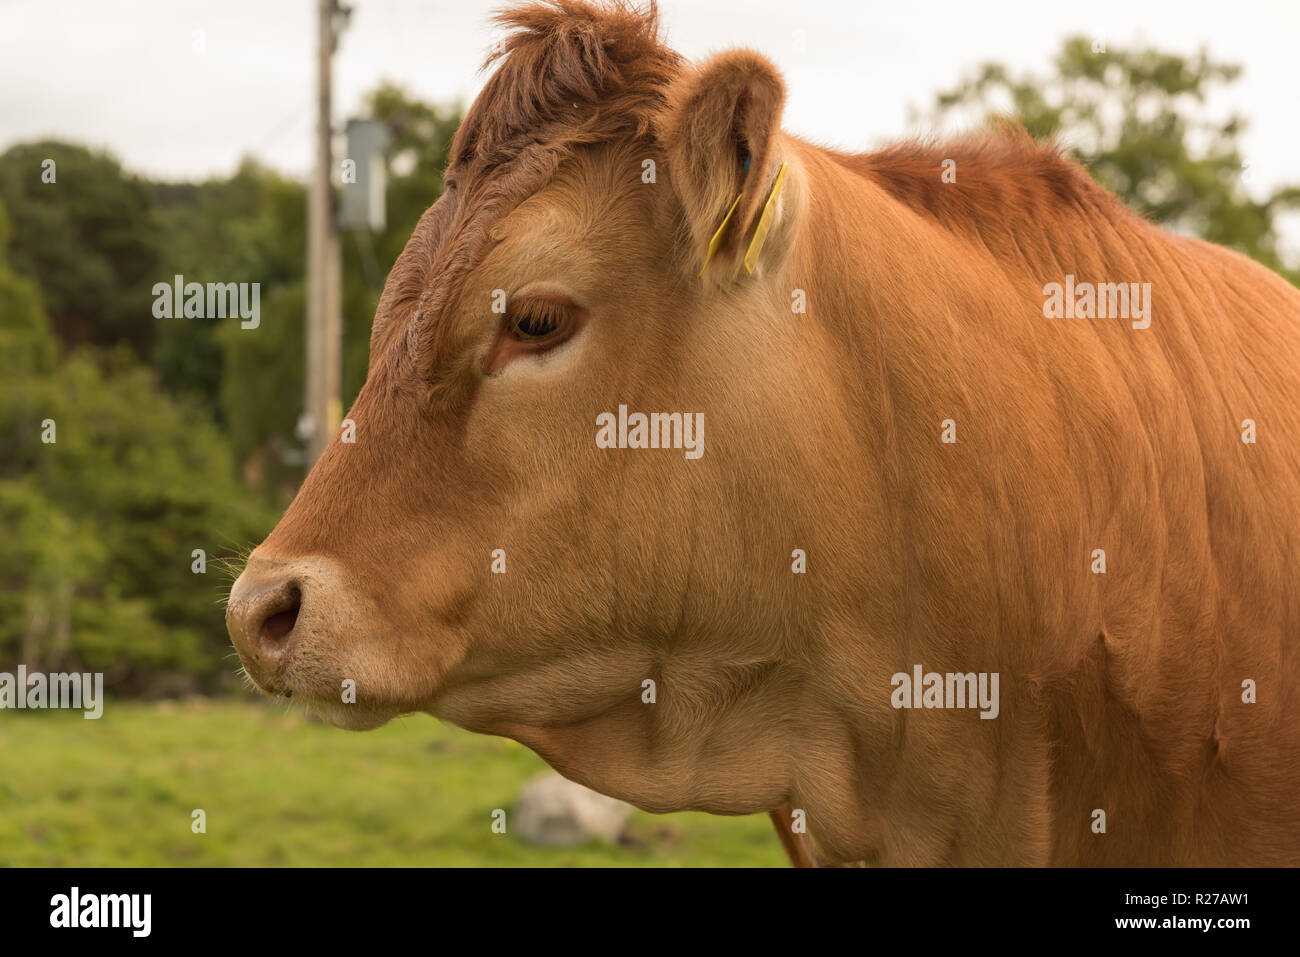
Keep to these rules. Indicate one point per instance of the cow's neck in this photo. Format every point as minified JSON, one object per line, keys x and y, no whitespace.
{"x":901,"y":786}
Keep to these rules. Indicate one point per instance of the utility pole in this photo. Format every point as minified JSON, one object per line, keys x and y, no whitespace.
{"x":322,"y":405}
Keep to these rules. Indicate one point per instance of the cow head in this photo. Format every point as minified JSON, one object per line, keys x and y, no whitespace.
{"x":478,"y":551}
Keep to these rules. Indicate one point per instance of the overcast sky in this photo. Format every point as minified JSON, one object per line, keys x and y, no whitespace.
{"x":184,"y":88}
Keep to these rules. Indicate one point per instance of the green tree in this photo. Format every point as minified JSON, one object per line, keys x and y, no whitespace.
{"x":248,"y":228}
{"x":89,"y":238}
{"x":1136,"y":118}
{"x":107,"y":486}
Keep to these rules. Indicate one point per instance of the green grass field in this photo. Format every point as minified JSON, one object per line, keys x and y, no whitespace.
{"x":280,"y":790}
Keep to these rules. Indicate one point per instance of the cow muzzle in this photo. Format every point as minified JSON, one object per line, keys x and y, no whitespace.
{"x":296,"y":624}
{"x":307,"y":629}
{"x":262,"y":617}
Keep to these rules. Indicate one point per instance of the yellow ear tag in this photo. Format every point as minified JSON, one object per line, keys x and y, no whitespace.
{"x":716,"y":241}
{"x":764,"y":222}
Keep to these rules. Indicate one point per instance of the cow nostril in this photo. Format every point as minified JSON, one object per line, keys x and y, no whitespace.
{"x":277,"y":625}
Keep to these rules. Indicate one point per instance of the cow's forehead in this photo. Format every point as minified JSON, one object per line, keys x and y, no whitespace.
{"x":553,"y":196}
{"x":460,"y":232}
{"x":566,"y":77}
{"x":566,"y":74}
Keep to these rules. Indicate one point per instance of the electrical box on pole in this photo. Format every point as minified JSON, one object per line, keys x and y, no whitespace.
{"x":365,"y":176}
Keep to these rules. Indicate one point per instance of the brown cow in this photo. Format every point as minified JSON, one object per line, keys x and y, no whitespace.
{"x":952,"y":467}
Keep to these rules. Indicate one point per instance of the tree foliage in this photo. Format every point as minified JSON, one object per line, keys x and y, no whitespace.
{"x":89,"y":239}
{"x":107,"y":485}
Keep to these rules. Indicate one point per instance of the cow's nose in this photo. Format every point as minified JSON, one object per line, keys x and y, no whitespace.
{"x":261,"y":616}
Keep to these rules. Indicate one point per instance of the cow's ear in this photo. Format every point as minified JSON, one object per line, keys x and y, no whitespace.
{"x":721,"y":133}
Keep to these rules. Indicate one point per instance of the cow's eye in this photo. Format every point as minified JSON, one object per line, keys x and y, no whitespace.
{"x":533,"y":324}
{"x":540,"y":322}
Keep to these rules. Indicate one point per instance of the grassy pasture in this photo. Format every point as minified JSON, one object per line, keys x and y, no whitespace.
{"x":281,"y":790}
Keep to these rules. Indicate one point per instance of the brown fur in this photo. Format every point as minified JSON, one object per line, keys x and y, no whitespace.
{"x":1120,"y":692}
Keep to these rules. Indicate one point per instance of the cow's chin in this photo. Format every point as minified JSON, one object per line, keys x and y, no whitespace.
{"x":350,"y":717}
{"x":313,"y":690}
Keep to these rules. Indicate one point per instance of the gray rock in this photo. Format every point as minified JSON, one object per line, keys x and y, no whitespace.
{"x":555,"y":812}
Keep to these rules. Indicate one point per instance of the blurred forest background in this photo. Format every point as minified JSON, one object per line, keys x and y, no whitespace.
{"x":172,"y":434}
{"x":179,"y":434}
